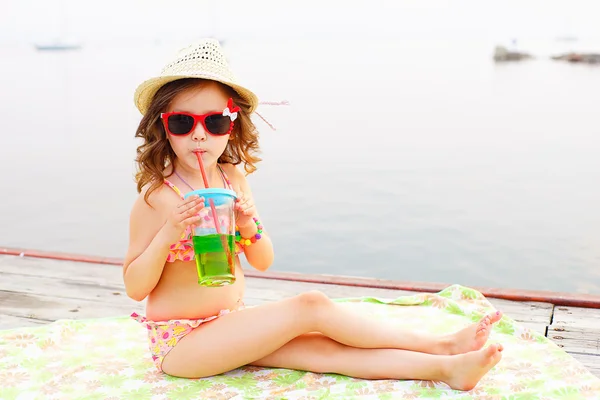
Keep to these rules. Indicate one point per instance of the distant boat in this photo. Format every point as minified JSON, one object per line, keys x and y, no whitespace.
{"x":62,"y":39}
{"x":57,"y":46}
{"x":566,"y":39}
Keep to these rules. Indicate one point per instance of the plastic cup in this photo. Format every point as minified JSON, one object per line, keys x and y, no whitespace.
{"x":214,"y":237}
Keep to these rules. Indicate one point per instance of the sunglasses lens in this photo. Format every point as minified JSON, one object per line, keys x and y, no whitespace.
{"x":180,"y":124}
{"x":218,"y":124}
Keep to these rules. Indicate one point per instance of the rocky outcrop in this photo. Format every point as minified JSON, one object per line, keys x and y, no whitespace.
{"x":586,"y":58}
{"x":502,"y":54}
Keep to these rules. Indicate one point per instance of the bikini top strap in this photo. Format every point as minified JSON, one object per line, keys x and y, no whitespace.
{"x":169,"y":184}
{"x":226,"y":181}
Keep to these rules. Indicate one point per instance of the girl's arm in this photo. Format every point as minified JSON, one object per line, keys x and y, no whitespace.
{"x":260,"y":254}
{"x":147,"y":252}
{"x":150,"y":237}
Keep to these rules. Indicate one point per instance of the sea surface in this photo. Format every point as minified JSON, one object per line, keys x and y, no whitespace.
{"x":406,"y":158}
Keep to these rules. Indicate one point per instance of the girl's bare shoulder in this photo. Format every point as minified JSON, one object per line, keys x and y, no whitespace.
{"x":155,"y":200}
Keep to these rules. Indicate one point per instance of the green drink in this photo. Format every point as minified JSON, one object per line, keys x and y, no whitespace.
{"x":213,"y":259}
{"x":213,"y":237}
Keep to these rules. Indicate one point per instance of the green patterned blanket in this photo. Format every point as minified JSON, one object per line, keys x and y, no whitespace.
{"x":109,"y":359}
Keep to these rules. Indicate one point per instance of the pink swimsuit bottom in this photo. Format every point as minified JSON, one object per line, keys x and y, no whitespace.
{"x":163,"y":336}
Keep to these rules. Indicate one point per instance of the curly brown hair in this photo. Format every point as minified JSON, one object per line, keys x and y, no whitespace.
{"x":155,"y":153}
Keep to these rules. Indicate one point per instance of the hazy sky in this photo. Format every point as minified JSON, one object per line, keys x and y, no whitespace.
{"x":24,"y":21}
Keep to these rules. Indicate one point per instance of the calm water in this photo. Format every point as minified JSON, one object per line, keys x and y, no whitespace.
{"x":411,"y":160}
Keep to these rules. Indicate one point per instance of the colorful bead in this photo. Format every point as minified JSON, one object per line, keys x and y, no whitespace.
{"x":247,"y":242}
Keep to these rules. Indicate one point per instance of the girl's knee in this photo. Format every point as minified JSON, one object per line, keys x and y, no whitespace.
{"x":313,"y":299}
{"x":311,"y":309}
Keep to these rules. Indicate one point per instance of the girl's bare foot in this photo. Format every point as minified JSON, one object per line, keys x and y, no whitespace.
{"x":465,"y":370}
{"x":471,"y":338}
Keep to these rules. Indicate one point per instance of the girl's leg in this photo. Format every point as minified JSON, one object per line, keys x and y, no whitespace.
{"x":248,"y":335}
{"x":318,"y":353}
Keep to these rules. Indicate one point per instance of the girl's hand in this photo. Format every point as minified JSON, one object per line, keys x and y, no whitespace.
{"x":184,"y":215}
{"x":244,"y":211}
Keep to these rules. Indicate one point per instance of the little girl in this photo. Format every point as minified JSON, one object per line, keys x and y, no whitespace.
{"x":196,"y":331}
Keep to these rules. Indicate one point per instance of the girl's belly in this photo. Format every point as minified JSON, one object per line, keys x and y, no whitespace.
{"x":179,"y":296}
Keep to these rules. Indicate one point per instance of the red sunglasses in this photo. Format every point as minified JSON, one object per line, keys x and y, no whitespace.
{"x":183,"y":123}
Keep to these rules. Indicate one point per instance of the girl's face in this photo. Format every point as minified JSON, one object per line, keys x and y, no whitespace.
{"x":205,"y":99}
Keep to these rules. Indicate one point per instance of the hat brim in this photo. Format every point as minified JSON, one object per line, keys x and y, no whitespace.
{"x":146,"y":90}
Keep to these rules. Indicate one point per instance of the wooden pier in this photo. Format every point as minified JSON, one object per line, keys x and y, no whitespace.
{"x":39,"y":288}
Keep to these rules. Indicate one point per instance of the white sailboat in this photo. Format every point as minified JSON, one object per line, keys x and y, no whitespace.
{"x":57,"y":45}
{"x":60,"y":42}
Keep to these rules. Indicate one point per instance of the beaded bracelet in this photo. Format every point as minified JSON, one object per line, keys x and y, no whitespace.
{"x":247,"y":242}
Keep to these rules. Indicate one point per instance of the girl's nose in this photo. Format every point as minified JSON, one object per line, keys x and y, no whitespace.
{"x":199,"y":134}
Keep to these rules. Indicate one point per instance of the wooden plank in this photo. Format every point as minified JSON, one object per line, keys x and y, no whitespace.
{"x":539,"y":328}
{"x":11,"y":322}
{"x":576,"y":317}
{"x":51,"y":308}
{"x":525,"y":311}
{"x":257,"y":292}
{"x":533,"y":315}
{"x":64,"y":287}
{"x":537,"y":311}
{"x":577,"y":331}
{"x":557,"y":298}
{"x":270,"y":290}
{"x":576,"y":340}
{"x":110,"y":277}
{"x":101,"y":282}
{"x":86,"y":272}
{"x":591,"y":362}
{"x":518,"y":295}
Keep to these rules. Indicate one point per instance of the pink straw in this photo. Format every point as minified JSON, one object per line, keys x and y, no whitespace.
{"x":214,"y":214}
{"x":212,"y":204}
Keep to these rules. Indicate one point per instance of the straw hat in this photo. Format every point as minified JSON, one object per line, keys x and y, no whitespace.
{"x":204,"y":59}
